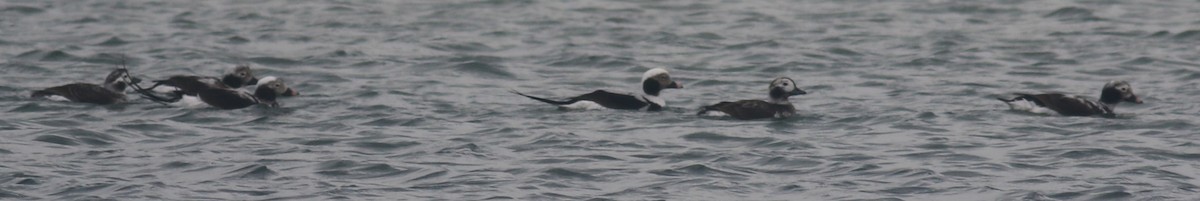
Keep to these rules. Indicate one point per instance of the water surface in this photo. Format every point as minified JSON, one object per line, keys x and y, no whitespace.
{"x":407,"y":100}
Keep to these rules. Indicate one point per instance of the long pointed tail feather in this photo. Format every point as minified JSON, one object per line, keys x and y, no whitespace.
{"x":553,"y":102}
{"x":154,"y":96}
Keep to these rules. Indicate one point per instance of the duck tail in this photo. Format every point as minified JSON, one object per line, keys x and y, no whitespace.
{"x":544,"y":100}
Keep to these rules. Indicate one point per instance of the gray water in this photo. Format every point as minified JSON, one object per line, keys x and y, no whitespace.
{"x":407,"y":100}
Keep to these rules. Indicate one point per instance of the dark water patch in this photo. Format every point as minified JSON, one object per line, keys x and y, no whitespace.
{"x":1030,"y":166}
{"x":19,"y":9}
{"x":247,"y":192}
{"x":14,"y":67}
{"x":950,"y":145}
{"x":319,"y":142}
{"x":1082,"y":153}
{"x":1139,"y":61}
{"x":394,"y":122}
{"x":945,"y":155}
{"x":255,"y":171}
{"x":33,"y":107}
{"x":1189,"y":35}
{"x":770,"y":44}
{"x":1038,"y":129}
{"x":273,"y":61}
{"x":902,"y":172}
{"x":48,"y":55}
{"x":181,"y":21}
{"x":383,"y":146}
{"x":431,"y":175}
{"x":697,"y":170}
{"x":1103,"y":72}
{"x":1154,"y":172}
{"x":716,"y":138}
{"x":464,"y":47}
{"x":344,"y":53}
{"x":112,"y":42}
{"x":1101,"y":193}
{"x":1172,"y":124}
{"x":71,"y":137}
{"x":567,"y":174}
{"x":843,"y":52}
{"x":851,"y":157}
{"x":691,"y":156}
{"x":469,"y":149}
{"x":878,"y":199}
{"x":60,"y":123}
{"x":572,"y":60}
{"x":485,"y":66}
{"x":350,"y":170}
{"x":965,"y":174}
{"x":918,"y":62}
{"x":909,"y":126}
{"x":1073,"y":14}
{"x":176,"y":165}
{"x":161,"y":131}
{"x":910,"y":190}
{"x":1118,"y":195}
{"x":234,"y":40}
{"x":82,"y":189}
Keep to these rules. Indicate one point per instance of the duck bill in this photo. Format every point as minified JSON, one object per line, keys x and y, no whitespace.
{"x":291,"y":92}
{"x":797,"y":91}
{"x":1134,"y":99}
{"x":674,"y":85}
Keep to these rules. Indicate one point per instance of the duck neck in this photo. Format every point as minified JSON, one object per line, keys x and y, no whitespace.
{"x":231,"y":81}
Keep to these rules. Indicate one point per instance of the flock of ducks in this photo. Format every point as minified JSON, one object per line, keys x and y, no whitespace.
{"x":179,"y":90}
{"x":778,"y":106}
{"x":224,"y":93}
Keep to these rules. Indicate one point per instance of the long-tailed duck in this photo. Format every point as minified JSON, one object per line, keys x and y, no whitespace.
{"x":112,"y":92}
{"x":777,"y":106}
{"x":191,"y":84}
{"x":219,"y":97}
{"x":235,"y":99}
{"x":653,"y":82}
{"x":1113,"y":93}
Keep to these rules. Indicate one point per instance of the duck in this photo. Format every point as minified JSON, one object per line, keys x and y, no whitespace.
{"x":192,"y":84}
{"x":1113,"y":93}
{"x":229,"y":99}
{"x":654,"y":81}
{"x":776,"y":106}
{"x":180,"y":99}
{"x":111,"y":92}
